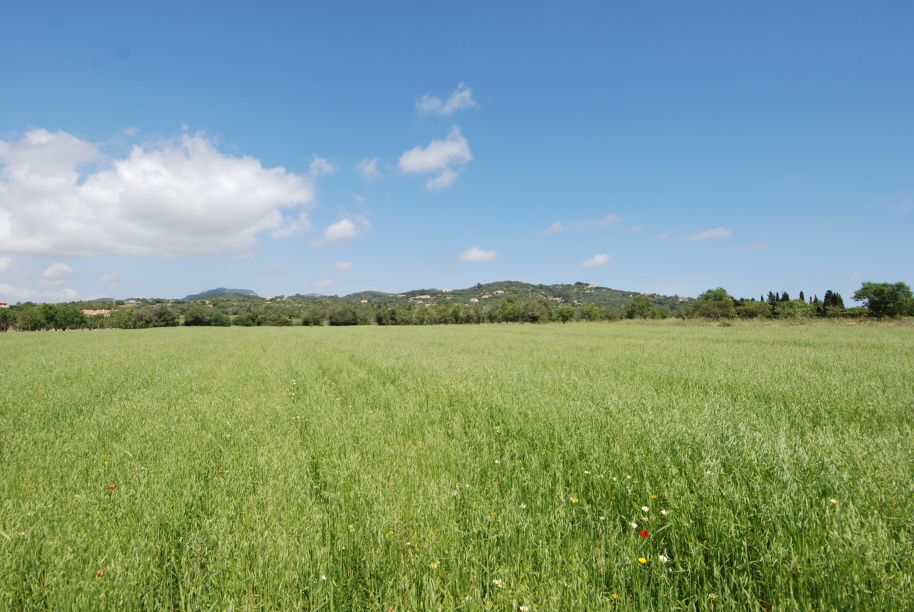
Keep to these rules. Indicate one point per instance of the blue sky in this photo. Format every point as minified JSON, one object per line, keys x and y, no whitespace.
{"x":158,"y":149}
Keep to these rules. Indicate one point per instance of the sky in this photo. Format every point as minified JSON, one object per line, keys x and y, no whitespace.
{"x":160,"y":149}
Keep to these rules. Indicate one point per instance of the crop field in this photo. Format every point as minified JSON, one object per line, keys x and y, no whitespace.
{"x":509,"y":467}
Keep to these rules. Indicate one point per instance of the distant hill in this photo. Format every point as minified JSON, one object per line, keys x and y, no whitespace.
{"x":220,"y":292}
{"x":568,"y":293}
{"x":575,"y":294}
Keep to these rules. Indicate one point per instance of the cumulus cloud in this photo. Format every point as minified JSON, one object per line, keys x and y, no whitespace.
{"x":460,"y":98}
{"x":320,"y":166}
{"x":596,"y":261}
{"x":440,"y":158}
{"x":557,"y":227}
{"x":15,"y":293}
{"x":5,"y":263}
{"x":716,"y":233}
{"x":368,"y":169}
{"x":66,"y":295}
{"x":60,"y":195}
{"x":56,"y":273}
{"x":475,"y":254}
{"x":346,"y":229}
{"x":343,"y":265}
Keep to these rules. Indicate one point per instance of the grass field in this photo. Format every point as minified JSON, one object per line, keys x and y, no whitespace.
{"x":492,"y":467}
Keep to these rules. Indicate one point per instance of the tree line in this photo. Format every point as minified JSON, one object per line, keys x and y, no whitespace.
{"x":880,"y":300}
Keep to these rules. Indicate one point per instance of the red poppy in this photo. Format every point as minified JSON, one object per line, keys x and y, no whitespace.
{"x":112,"y":486}
{"x":645,"y":533}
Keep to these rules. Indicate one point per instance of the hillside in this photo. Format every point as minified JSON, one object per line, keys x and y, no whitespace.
{"x":220,"y":292}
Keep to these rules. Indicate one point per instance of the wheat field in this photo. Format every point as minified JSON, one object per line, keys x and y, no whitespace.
{"x":500,"y":467}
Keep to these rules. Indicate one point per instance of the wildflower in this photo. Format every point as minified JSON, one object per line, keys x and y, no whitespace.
{"x":642,"y":560}
{"x":100,"y":573}
{"x":323,"y":577}
{"x":645,"y":533}
{"x":645,"y":509}
{"x":498,"y":583}
{"x":653,"y":497}
{"x":587,"y":472}
{"x":112,"y":486}
{"x":602,"y":518}
{"x":497,"y":462}
{"x":523,"y":506}
{"x":634,"y":525}
{"x":663,"y":559}
{"x":615,"y":596}
{"x":834,"y":502}
{"x":434,"y":565}
{"x":351,"y":527}
{"x":663,"y":513}
{"x":524,"y":608}
{"x":712,"y":597}
{"x":573,"y":499}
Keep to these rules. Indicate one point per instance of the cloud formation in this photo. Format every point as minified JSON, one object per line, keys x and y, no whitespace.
{"x":346,"y":229}
{"x":368,"y":169}
{"x":343,"y":265}
{"x":558,"y":227}
{"x":475,"y":254}
{"x":596,"y":261}
{"x":56,"y":273}
{"x":460,"y":98}
{"x":60,"y":195}
{"x":440,"y":157}
{"x":5,"y":263}
{"x":716,"y":233}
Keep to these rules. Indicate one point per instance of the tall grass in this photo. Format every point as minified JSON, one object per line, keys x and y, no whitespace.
{"x":459,"y":468}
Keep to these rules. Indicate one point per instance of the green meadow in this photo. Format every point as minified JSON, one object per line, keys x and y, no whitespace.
{"x":497,"y":467}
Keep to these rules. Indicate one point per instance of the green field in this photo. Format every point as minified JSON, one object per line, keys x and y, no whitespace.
{"x":488,"y":467}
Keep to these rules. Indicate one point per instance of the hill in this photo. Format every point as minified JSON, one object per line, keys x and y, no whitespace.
{"x":220,"y":292}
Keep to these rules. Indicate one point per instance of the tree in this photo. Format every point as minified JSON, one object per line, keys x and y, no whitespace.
{"x":802,"y":297}
{"x":714,"y":304}
{"x":640,"y":308}
{"x":885,"y":299}
{"x":754,"y":310}
{"x":564,"y":313}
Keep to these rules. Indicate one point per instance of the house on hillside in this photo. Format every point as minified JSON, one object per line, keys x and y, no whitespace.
{"x":4,"y":305}
{"x":96,"y":313}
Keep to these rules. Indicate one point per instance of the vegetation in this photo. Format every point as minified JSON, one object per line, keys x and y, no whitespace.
{"x":638,"y":465}
{"x":517,"y":303}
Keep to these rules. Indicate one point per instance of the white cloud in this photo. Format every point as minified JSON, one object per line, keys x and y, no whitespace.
{"x":635,"y":229}
{"x":716,"y":233}
{"x":320,"y":166}
{"x":343,"y":265}
{"x":293,"y":227}
{"x":5,"y":263}
{"x":476,"y":254}
{"x":368,"y":169}
{"x":439,"y":158}
{"x":323,"y":283}
{"x":18,"y":293}
{"x":57,"y":273}
{"x":596,"y":261}
{"x":558,"y":227}
{"x":111,"y":279}
{"x":66,"y":295}
{"x":60,"y":195}
{"x":664,"y":235}
{"x":462,"y":97}
{"x":346,"y":229}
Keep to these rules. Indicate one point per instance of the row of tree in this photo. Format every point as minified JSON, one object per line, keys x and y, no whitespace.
{"x":880,"y":300}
